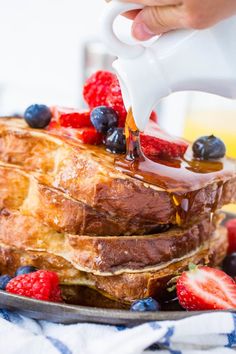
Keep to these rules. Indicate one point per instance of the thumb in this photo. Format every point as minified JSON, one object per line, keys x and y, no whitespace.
{"x":154,"y":20}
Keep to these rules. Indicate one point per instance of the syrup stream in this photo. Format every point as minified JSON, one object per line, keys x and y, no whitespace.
{"x":132,"y":134}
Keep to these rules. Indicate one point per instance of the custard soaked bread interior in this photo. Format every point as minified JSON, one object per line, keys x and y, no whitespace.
{"x":66,"y":207}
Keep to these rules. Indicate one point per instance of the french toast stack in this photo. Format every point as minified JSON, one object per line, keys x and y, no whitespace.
{"x":110,"y":237}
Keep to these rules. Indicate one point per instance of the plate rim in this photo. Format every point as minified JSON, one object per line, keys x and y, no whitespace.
{"x":76,"y":313}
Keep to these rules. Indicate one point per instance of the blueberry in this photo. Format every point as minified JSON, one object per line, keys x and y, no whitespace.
{"x":115,"y":141}
{"x":229,"y":264}
{"x":209,"y":147}
{"x":4,"y":280}
{"x":104,"y":118}
{"x":25,"y":270}
{"x":38,"y":116}
{"x":146,"y":304}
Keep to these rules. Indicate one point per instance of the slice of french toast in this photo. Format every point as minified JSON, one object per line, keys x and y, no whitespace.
{"x":123,"y":288}
{"x":22,"y":191}
{"x":106,"y":255}
{"x":87,"y":174}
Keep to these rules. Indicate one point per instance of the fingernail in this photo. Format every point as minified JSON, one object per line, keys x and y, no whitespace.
{"x":141,"y":31}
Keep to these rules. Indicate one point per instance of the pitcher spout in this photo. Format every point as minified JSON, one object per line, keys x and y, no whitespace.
{"x":142,"y":85}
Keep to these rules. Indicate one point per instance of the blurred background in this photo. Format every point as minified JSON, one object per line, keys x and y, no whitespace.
{"x":41,"y":50}
{"x":49,"y":47}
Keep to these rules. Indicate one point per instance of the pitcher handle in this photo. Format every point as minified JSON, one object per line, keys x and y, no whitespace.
{"x":118,"y":48}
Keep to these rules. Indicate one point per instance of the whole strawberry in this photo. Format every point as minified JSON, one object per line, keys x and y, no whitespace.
{"x":40,"y":285}
{"x":205,"y":288}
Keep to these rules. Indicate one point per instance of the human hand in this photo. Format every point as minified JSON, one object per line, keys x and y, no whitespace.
{"x":159,"y":16}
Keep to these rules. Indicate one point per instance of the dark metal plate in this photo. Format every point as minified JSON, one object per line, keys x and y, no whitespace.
{"x":62,"y":313}
{"x":67,"y":314}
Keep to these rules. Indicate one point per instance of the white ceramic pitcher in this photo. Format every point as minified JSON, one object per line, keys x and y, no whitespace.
{"x":201,"y":60}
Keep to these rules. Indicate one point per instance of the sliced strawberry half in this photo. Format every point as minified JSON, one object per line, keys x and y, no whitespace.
{"x":53,"y":125}
{"x":72,"y":118}
{"x":88,"y":136}
{"x":76,"y":119}
{"x":154,"y":117}
{"x":205,"y":288}
{"x":156,"y":143}
{"x":231,"y":228}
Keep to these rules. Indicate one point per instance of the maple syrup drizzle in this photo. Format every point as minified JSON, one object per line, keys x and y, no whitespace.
{"x":132,"y":134}
{"x":182,"y":178}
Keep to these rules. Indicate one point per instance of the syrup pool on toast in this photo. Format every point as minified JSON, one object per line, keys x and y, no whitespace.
{"x":177,"y":176}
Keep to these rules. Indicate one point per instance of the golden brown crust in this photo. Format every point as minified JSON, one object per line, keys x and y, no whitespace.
{"x":123,"y":288}
{"x":87,"y":174}
{"x":104,"y":255}
{"x":58,"y":210}
{"x":67,"y":194}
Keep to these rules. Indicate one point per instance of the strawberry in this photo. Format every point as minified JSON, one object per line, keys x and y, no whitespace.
{"x":88,"y":136}
{"x":103,"y":89}
{"x":53,"y":125}
{"x":231,"y":228}
{"x":40,"y":285}
{"x":156,"y":143}
{"x":154,"y":117}
{"x":76,"y":120}
{"x":97,"y":87}
{"x":71,"y":118}
{"x":205,"y":288}
{"x":115,"y":101}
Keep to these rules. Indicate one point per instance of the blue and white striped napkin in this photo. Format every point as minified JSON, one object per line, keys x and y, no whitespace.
{"x":207,"y":333}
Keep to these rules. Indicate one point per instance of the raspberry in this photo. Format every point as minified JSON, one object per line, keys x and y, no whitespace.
{"x":97,"y":87}
{"x":115,"y":101}
{"x":40,"y":285}
{"x":156,"y":143}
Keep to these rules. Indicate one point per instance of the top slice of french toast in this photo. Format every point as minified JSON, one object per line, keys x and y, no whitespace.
{"x":88,"y":174}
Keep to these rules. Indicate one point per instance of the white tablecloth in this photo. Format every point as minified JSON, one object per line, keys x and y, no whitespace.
{"x":208,"y":333}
